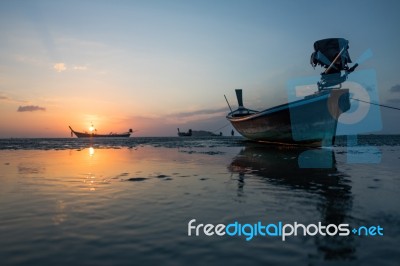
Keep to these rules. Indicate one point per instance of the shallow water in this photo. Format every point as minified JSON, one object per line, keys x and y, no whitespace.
{"x":115,"y":202}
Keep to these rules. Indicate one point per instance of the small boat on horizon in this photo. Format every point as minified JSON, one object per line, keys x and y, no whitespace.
{"x":93,"y":134}
{"x":311,"y":121}
{"x":185,"y":134}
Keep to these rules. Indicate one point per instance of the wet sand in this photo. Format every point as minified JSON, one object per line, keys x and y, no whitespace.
{"x":131,"y":205}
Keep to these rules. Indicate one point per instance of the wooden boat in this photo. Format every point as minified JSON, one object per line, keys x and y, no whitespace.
{"x":309,"y":121}
{"x":94,"y":134}
{"x":185,"y":134}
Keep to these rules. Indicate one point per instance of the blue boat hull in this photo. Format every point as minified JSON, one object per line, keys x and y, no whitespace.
{"x":310,"y":121}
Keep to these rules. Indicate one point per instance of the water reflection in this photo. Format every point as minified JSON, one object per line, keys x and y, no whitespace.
{"x":90,"y":179}
{"x":303,"y":170}
{"x":91,"y":151}
{"x":60,"y":215}
{"x":31,"y":168}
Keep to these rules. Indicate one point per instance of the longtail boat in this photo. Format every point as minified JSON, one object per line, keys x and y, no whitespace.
{"x":94,"y":134}
{"x":312,"y":120}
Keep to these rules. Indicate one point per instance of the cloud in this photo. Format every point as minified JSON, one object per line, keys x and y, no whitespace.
{"x":208,"y":112}
{"x":30,"y":108}
{"x":60,"y":67}
{"x":395,"y":88}
{"x":165,"y":125}
{"x":160,"y":126}
{"x":194,"y":116}
{"x":5,"y":98}
{"x":80,"y":68}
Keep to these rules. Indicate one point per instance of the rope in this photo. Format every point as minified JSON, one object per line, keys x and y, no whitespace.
{"x":221,"y":128}
{"x":391,"y":107}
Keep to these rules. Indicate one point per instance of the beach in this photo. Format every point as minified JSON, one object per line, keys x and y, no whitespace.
{"x":130,"y":202}
{"x":200,"y":133}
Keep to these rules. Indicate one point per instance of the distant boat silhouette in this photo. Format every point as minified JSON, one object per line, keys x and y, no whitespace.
{"x":185,"y":134}
{"x":94,"y":134}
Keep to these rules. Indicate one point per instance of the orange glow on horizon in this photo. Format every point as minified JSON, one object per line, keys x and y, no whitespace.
{"x":55,"y":120}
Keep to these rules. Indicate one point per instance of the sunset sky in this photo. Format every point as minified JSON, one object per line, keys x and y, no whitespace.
{"x":154,"y":66}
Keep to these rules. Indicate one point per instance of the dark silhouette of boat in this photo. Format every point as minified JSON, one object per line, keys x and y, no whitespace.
{"x":310,"y":121}
{"x":185,"y":134}
{"x":94,"y":134}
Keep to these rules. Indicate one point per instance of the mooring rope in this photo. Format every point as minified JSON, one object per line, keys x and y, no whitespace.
{"x":391,"y":107}
{"x":214,"y":131}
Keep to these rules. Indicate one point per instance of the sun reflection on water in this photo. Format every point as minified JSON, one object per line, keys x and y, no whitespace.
{"x":91,"y":151}
{"x":90,"y":180}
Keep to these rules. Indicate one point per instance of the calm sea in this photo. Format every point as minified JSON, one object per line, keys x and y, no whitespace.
{"x":133,"y":202}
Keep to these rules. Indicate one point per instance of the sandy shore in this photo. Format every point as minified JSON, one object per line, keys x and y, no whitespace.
{"x":125,"y":205}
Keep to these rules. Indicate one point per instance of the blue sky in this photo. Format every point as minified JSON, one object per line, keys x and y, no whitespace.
{"x":158,"y":65}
